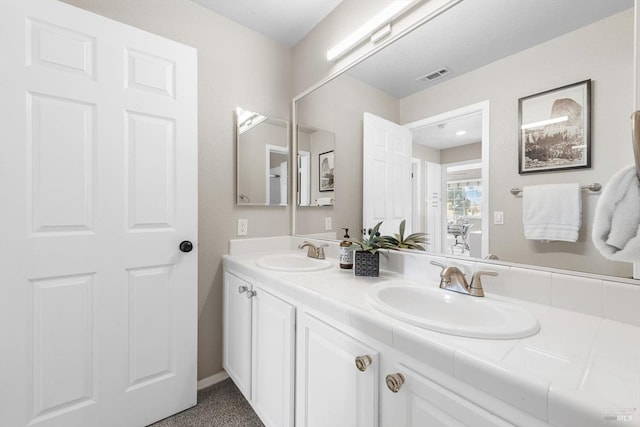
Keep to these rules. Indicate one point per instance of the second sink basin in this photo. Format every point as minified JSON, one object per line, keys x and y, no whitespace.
{"x":292,"y":263}
{"x":451,"y":313}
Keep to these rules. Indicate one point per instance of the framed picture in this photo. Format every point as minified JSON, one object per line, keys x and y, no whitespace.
{"x":325,"y":171}
{"x":555,"y":129}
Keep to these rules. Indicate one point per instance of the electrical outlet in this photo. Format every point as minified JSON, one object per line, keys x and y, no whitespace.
{"x":243,"y":226}
{"x":327,"y":223}
{"x":498,"y":217}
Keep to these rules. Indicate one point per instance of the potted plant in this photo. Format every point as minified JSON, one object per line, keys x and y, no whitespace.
{"x":412,"y":241}
{"x":366,"y":260}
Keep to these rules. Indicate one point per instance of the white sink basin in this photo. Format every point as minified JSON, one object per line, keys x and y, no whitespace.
{"x":452,"y":313}
{"x":292,"y":263}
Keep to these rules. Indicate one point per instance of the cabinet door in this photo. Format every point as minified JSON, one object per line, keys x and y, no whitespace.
{"x":273,"y":359}
{"x":237,"y":332}
{"x":421,"y":402}
{"x":330,"y":390}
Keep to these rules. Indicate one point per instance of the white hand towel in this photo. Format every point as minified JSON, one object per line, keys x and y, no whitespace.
{"x":617,"y":218}
{"x":324,"y":201}
{"x":552,"y":212}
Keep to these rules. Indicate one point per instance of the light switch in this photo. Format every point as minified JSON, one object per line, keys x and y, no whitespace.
{"x":498,"y":217}
{"x":327,"y":223}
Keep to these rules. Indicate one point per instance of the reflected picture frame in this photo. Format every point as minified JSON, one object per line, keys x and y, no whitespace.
{"x":326,"y":167}
{"x":554,"y":129}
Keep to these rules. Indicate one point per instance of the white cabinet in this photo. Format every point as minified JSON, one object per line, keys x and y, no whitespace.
{"x":236,"y":356}
{"x":259,"y":337}
{"x":421,"y":402}
{"x":273,"y":361}
{"x":331,"y":390}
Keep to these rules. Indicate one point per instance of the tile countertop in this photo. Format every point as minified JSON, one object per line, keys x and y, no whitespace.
{"x":579,"y":370}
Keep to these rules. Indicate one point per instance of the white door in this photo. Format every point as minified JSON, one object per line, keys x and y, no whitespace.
{"x":98,"y":188}
{"x":330,"y":389}
{"x":236,"y":356}
{"x":386,"y":174}
{"x":273,"y":338}
{"x":433,"y":194}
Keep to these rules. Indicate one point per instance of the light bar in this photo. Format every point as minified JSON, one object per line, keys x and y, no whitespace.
{"x":395,"y":9}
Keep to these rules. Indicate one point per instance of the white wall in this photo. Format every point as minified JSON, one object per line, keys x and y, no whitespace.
{"x":228,"y":57}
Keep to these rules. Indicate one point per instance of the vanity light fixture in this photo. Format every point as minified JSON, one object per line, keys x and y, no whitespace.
{"x":385,"y":16}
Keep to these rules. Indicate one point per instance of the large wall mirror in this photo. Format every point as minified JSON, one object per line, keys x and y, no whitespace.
{"x":262,"y":145}
{"x":452,"y":88}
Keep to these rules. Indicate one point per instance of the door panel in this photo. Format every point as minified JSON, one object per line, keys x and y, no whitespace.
{"x":236,"y":357}
{"x":99,"y":317}
{"x":386,"y":174}
{"x":330,"y":390}
{"x":273,"y":337}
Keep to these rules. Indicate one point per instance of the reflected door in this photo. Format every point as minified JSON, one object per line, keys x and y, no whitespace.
{"x":386,"y":174}
{"x":97,"y":303}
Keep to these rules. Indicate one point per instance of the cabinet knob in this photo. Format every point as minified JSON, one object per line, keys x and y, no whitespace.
{"x":251,"y":294}
{"x":363,"y":362}
{"x":242,"y":289}
{"x":395,"y":381}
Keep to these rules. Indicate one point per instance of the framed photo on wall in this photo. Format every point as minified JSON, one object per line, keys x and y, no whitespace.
{"x":326,"y":162}
{"x":555,"y":129}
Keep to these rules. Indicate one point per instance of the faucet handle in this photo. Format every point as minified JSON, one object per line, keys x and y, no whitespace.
{"x":442,"y":266}
{"x":320,"y":250}
{"x":475,"y":288}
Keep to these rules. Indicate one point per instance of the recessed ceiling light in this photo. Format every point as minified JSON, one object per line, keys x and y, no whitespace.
{"x":461,"y":132}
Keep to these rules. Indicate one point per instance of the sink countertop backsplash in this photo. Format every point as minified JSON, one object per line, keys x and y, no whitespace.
{"x":584,"y":363}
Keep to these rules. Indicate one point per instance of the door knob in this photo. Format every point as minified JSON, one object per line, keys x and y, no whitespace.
{"x":395,"y":381}
{"x":186,"y":246}
{"x":251,"y":294}
{"x":363,"y":362}
{"x":242,"y":289}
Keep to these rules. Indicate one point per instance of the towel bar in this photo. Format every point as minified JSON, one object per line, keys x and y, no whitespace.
{"x":595,"y":187}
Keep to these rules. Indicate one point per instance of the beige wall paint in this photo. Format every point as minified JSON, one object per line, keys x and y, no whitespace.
{"x":338,"y":107}
{"x":602,"y":52}
{"x":228,"y":57}
{"x":461,"y":153}
{"x":426,"y":154}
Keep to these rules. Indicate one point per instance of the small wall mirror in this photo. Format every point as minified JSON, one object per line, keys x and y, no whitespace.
{"x":262,"y":145}
{"x":316,"y":166}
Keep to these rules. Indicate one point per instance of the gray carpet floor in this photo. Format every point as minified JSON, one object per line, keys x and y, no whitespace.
{"x":221,"y":405}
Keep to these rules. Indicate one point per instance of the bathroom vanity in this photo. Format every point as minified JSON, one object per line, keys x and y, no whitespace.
{"x":306,"y":347}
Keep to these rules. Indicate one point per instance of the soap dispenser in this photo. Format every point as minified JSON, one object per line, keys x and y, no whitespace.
{"x":346,"y":254}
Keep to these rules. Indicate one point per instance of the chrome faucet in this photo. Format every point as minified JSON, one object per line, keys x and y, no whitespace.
{"x":452,"y":279}
{"x":313,"y":251}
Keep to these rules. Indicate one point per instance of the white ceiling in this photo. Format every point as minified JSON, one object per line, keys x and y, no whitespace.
{"x":286,"y":21}
{"x":443,"y":135}
{"x":475,"y":33}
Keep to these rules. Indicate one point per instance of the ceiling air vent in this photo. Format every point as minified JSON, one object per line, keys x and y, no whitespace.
{"x":434,"y":75}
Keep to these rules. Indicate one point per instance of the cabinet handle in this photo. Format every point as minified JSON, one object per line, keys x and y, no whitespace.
{"x":363,"y":362}
{"x":242,"y":289}
{"x":395,"y":381}
{"x":251,"y":294}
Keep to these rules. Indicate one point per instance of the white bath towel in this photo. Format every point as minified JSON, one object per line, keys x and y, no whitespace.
{"x":617,"y":218}
{"x":552,"y":212}
{"x":324,"y":201}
